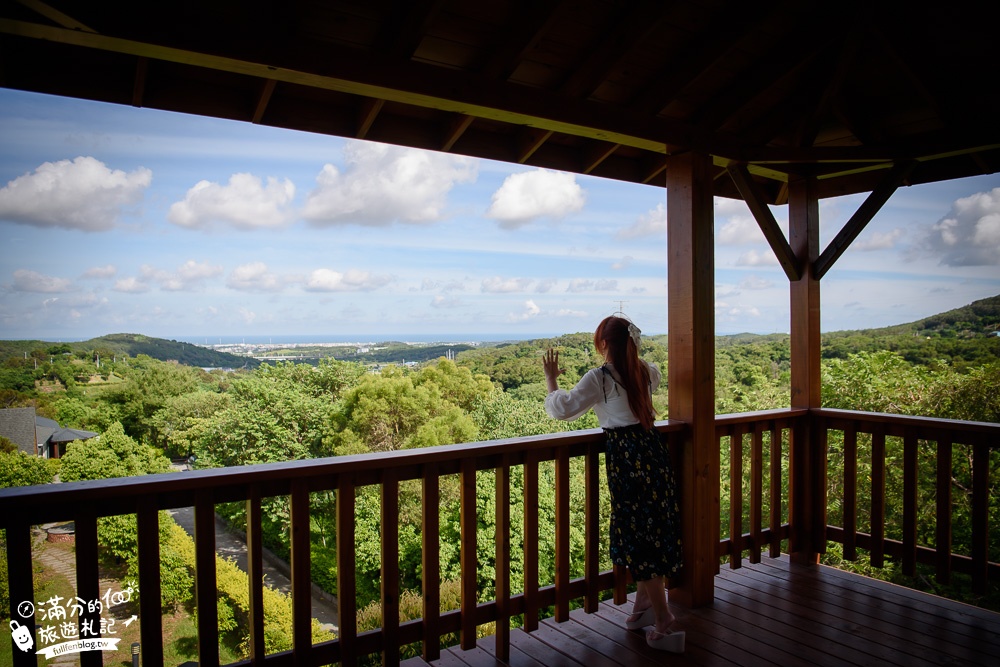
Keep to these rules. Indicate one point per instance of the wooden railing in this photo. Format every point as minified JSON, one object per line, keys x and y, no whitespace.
{"x":936,"y":441}
{"x":85,"y":502}
{"x":745,"y":530}
{"x":755,"y":494}
{"x":933,"y":440}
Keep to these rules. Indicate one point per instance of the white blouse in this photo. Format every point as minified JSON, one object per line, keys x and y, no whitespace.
{"x":600,"y":391}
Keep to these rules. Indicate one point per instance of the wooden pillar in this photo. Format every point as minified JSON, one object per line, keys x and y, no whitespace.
{"x":807,"y":465}
{"x":691,"y":368}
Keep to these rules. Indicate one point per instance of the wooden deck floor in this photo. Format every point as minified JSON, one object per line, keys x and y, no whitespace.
{"x":772,"y":613}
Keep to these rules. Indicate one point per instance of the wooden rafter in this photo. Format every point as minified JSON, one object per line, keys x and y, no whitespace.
{"x":831,"y":90}
{"x":699,"y":55}
{"x":412,"y":83}
{"x":529,"y":142}
{"x":596,"y":155}
{"x":603,"y":59}
{"x":139,"y":84}
{"x":55,"y":15}
{"x":402,"y":36}
{"x":874,"y":202}
{"x":456,"y":128}
{"x":266,"y":90}
{"x":370,"y":109}
{"x":730,"y":101}
{"x":536,"y":18}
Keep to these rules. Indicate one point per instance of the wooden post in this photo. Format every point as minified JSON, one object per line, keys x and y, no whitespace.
{"x":691,"y":369}
{"x":807,"y":478}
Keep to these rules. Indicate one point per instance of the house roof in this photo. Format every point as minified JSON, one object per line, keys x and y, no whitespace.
{"x":846,"y":91}
{"x":69,"y":435}
{"x":18,"y":426}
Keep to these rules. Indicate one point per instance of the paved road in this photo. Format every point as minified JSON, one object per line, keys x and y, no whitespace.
{"x":233,"y":547}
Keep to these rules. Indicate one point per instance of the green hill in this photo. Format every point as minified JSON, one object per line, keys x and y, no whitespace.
{"x":132,"y":345}
{"x":963,"y":337}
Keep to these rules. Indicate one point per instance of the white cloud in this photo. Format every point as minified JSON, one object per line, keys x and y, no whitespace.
{"x":443,"y":285}
{"x":88,"y":300}
{"x":545,"y":285}
{"x":529,"y":195}
{"x":877,"y":241}
{"x":724,"y":290}
{"x":107,"y":271}
{"x":326,"y":280}
{"x":446,"y":302}
{"x":726,"y":313}
{"x":583,"y":285}
{"x":969,"y":235}
{"x":81,"y":194}
{"x":244,"y":203}
{"x":651,"y":223}
{"x":740,"y":230}
{"x":623,"y":264}
{"x":189,"y":276}
{"x":254,"y":277}
{"x":754,"y":258}
{"x":753,"y":282}
{"x":383,"y":184}
{"x":130,"y":285}
{"x":530,"y":311}
{"x":499,"y":285}
{"x":32,"y":281}
{"x":565,"y":312}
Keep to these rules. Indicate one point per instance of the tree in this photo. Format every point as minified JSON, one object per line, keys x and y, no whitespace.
{"x":20,"y":469}
{"x":113,"y":454}
{"x":182,"y":420}
{"x":273,"y":414}
{"x":148,"y":386}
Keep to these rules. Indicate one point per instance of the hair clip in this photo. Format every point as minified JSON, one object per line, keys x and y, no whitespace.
{"x":634,"y":332}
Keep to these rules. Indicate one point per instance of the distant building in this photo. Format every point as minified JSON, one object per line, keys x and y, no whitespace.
{"x":37,"y":435}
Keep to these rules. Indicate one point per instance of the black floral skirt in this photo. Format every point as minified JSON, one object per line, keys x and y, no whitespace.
{"x":645,"y":514}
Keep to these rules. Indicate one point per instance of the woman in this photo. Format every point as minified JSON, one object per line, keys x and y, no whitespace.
{"x":645,"y":527}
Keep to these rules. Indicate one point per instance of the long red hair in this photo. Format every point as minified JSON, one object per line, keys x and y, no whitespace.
{"x":613,"y":340}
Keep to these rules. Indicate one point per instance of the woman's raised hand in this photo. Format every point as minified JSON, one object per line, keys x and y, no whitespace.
{"x":550,"y":364}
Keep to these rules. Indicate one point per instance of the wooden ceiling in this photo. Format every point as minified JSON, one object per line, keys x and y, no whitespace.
{"x":843,"y":90}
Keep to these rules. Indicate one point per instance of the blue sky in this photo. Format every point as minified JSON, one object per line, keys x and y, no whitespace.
{"x":115,"y":219}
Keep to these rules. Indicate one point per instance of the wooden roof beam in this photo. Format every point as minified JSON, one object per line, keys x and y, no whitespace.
{"x":456,"y":128}
{"x":875,"y":201}
{"x":402,"y":35}
{"x":417,"y":84}
{"x":630,"y":32}
{"x":698,"y":57}
{"x":55,"y":15}
{"x":656,"y":169}
{"x":266,"y":90}
{"x":810,"y":127}
{"x":596,"y":155}
{"x":765,"y":220}
{"x":370,"y":109}
{"x":139,"y":83}
{"x":750,"y":86}
{"x":531,"y":140}
{"x":535,"y":18}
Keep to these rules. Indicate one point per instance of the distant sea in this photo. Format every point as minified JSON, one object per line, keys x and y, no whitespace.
{"x":288,"y":339}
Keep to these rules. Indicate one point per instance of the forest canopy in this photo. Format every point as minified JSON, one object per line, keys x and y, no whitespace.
{"x":148,"y":411}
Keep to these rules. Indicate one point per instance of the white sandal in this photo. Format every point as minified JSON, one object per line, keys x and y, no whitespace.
{"x":646,"y":618}
{"x":668,"y":641}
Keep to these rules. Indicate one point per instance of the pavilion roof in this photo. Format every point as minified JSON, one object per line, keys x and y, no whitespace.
{"x":844,"y":91}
